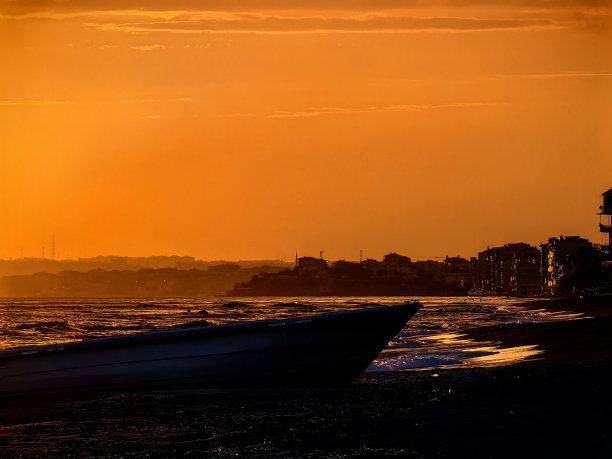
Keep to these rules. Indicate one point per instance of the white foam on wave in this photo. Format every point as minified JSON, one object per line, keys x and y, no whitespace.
{"x":411,"y":333}
{"x":410,"y":363}
{"x":424,"y":360}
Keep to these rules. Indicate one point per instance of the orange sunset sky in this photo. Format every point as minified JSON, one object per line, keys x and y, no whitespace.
{"x":244,"y":129}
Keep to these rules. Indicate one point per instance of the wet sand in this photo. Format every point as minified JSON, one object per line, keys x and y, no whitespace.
{"x":557,"y":404}
{"x":586,"y":339}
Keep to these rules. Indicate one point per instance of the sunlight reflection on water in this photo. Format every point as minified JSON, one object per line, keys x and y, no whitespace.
{"x":433,"y":338}
{"x":501,"y":356}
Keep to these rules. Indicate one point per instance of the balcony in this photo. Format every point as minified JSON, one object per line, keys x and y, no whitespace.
{"x":605,"y":228}
{"x":605,"y":210}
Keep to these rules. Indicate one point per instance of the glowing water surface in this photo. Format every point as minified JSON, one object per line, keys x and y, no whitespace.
{"x":433,"y":338}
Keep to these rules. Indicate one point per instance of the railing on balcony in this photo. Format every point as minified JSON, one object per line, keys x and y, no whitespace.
{"x":605,"y":228}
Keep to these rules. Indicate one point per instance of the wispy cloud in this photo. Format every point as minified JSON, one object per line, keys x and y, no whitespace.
{"x":363,"y":17}
{"x":152,"y":117}
{"x":65,"y":6}
{"x":155,"y":47}
{"x":259,"y":23}
{"x":330,"y":111}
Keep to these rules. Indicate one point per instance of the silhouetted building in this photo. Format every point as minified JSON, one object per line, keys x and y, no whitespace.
{"x":395,"y":275}
{"x":371,"y":266}
{"x":513,"y":269}
{"x":558,"y":255}
{"x":395,"y":265}
{"x":312,"y":266}
{"x":458,"y":264}
{"x":347,"y":268}
{"x":392,"y":266}
{"x":458,"y":271}
{"x":605,"y":227}
{"x":605,"y":220}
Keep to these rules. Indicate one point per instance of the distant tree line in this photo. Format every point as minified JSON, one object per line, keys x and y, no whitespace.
{"x":165,"y":282}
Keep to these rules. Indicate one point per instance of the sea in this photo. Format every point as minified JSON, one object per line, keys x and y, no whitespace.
{"x":433,"y":338}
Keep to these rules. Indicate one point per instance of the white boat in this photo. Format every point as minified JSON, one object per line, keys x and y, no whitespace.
{"x":324,"y":349}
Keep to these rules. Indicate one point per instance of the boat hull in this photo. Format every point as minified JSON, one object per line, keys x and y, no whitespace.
{"x":319,"y":350}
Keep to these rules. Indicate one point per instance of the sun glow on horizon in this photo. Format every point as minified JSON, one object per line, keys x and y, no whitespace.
{"x":239,"y":132}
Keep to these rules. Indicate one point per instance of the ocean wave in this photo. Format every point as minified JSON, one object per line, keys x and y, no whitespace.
{"x":193,"y":323}
{"x":433,"y":338}
{"x":102,"y":327}
{"x":58,"y":325}
{"x":233,"y":304}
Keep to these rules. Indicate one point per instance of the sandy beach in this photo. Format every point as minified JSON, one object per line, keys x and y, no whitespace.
{"x":555,"y":404}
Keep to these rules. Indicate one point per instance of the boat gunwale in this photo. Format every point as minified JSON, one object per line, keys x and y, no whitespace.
{"x":134,"y":339}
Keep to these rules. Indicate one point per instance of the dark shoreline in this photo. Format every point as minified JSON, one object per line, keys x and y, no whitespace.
{"x":555,"y":404}
{"x":537,"y":410}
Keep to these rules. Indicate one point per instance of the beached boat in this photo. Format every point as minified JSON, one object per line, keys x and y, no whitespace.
{"x":318,"y":350}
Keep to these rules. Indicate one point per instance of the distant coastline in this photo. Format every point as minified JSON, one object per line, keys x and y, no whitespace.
{"x":142,"y":283}
{"x":395,"y":275}
{"x":564,"y":266}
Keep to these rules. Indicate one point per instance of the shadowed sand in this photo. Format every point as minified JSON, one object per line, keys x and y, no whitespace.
{"x":557,"y":403}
